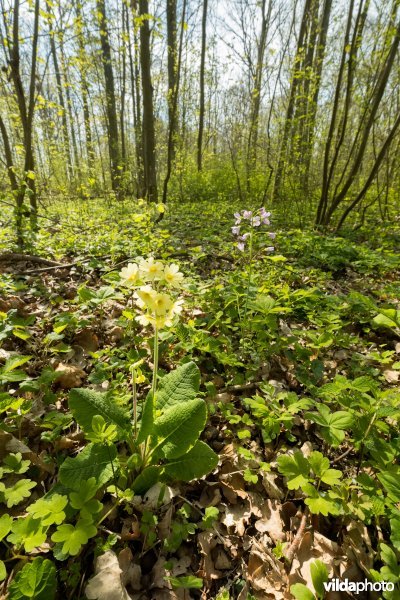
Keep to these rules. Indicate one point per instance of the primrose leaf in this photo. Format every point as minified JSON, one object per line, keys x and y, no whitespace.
{"x":86,"y":404}
{"x":199,"y":461}
{"x":94,"y":461}
{"x":27,"y":532}
{"x":74,"y":537}
{"x":295,"y":468}
{"x":49,"y":510}
{"x":21,"y":490}
{"x":146,"y":479}
{"x":179,"y":386}
{"x":35,"y":580}
{"x":179,"y":427}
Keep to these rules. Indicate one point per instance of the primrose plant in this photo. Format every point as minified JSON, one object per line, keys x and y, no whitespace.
{"x":160,"y":442}
{"x":248,"y":224}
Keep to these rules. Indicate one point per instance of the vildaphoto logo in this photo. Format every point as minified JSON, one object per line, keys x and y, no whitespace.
{"x":338,"y":585}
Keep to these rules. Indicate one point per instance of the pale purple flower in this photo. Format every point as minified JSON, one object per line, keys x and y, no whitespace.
{"x":263,"y":213}
{"x":247,"y":214}
{"x":272,"y":235}
{"x":241,"y":246}
{"x":238,"y":218}
{"x":235,"y":230}
{"x":244,"y":237}
{"x":266,"y":221}
{"x":270,"y":249}
{"x":256,"y":221}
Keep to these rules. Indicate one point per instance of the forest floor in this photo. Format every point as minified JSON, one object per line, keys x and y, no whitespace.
{"x":300,"y":370}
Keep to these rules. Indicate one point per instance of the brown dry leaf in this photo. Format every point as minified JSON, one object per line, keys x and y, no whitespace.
{"x":237,"y":516}
{"x":266,"y":575}
{"x":131,"y":572}
{"x":106,"y":584}
{"x":391,"y":376}
{"x":221,"y":559}
{"x":357,"y":546}
{"x":210,"y":496}
{"x":208,"y":541}
{"x":311,"y":548}
{"x":273,"y":491}
{"x":87,"y":339}
{"x":271,"y":521}
{"x":70,"y":376}
{"x":232,"y":482}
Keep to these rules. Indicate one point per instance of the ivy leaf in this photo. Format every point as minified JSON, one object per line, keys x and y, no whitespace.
{"x":83,"y":499}
{"x":74,"y":537}
{"x":295,"y":468}
{"x":319,"y":463}
{"x":318,"y":502}
{"x":35,"y":580}
{"x":14,"y":495}
{"x":27,"y":532}
{"x":49,"y":510}
{"x":14,"y":464}
{"x":5,"y":525}
{"x":331,"y":476}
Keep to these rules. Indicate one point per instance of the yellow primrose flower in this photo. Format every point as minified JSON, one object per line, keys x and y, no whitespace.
{"x":162,"y":304}
{"x":151,"y":270}
{"x":130,"y":273}
{"x":145,"y":297}
{"x":172,"y":275}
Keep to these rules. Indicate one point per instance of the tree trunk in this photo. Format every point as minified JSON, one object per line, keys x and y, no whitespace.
{"x":111,"y":110}
{"x":149,"y":144}
{"x":202,"y":82}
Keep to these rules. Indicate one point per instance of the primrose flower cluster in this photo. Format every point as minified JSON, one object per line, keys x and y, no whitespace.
{"x":248,"y":220}
{"x":152,"y":278}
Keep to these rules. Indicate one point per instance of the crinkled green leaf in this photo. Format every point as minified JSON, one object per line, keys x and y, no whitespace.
{"x":93,"y":461}
{"x":179,"y":427}
{"x":199,"y":461}
{"x":85,"y":404}
{"x":179,"y":386}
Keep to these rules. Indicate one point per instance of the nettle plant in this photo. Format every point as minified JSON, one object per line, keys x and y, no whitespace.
{"x":162,"y":437}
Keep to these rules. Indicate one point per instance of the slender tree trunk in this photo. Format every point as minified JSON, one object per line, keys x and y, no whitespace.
{"x":174,"y":107}
{"x":149,"y":144}
{"x":202,"y":86}
{"x":111,"y":110}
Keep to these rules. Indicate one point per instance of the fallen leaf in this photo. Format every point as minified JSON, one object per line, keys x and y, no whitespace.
{"x":70,"y":376}
{"x":107,"y":583}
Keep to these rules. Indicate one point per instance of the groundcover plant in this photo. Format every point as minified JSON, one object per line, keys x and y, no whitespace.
{"x":199,"y":300}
